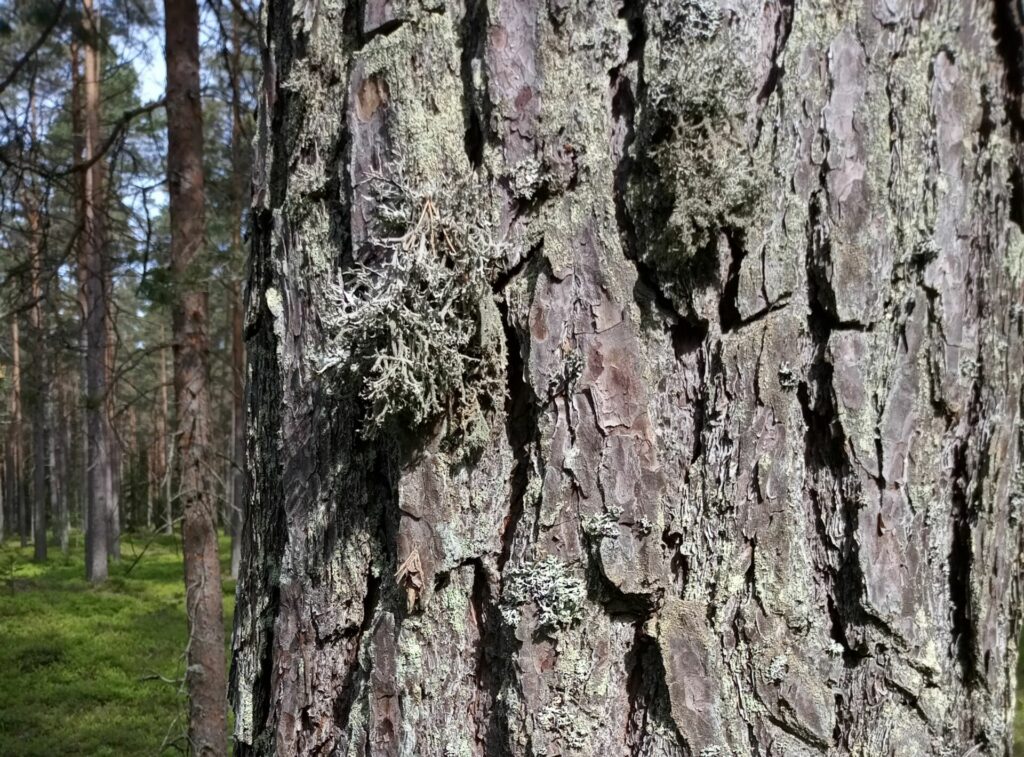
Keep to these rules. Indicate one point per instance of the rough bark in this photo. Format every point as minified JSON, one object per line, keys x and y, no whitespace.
{"x":753,"y":485}
{"x":206,"y":675}
{"x":95,"y":299}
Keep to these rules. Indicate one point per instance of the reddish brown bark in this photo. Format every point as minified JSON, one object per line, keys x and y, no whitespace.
{"x":754,"y":483}
{"x":95,"y":299}
{"x":15,"y":443}
{"x":238,"y":185}
{"x":206,"y":675}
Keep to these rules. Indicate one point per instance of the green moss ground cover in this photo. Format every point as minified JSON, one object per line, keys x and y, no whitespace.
{"x":93,"y":670}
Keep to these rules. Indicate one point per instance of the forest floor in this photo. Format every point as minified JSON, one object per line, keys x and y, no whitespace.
{"x":95,"y":670}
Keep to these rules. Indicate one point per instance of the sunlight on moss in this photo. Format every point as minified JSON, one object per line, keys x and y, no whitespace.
{"x":92,"y":670}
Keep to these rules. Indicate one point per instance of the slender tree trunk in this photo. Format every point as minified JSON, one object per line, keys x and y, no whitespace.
{"x":151,"y":484}
{"x":238,"y":429}
{"x":59,"y":489}
{"x":39,"y":394}
{"x":206,"y":676}
{"x":80,"y":444}
{"x":238,"y":185}
{"x":684,"y":415}
{"x":4,"y":517}
{"x":19,"y":500}
{"x":115,"y":446}
{"x":39,"y":385}
{"x":95,"y":296}
{"x":166,"y":449}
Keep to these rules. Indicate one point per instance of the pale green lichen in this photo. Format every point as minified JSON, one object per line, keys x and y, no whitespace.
{"x":695,"y":176}
{"x":603,"y":525}
{"x":563,"y":719}
{"x":415,"y":331}
{"x":1014,"y":259}
{"x":558,"y":595}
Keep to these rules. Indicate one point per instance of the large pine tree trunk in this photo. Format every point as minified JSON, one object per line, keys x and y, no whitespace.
{"x":724,"y":454}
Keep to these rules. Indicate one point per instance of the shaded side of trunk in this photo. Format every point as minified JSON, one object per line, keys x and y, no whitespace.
{"x":237,"y":428}
{"x":206,"y":676}
{"x":115,"y":444}
{"x":754,"y":298}
{"x":59,"y":480}
{"x":95,"y":303}
{"x":238,"y":186}
{"x":38,"y":395}
{"x":165,"y":472}
{"x":15,"y":447}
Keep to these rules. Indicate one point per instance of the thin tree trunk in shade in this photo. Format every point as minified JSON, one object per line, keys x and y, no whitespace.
{"x":238,"y":186}
{"x":717,"y":446}
{"x":38,"y":395}
{"x":166,"y":449}
{"x":206,"y":674}
{"x":20,"y":501}
{"x":4,"y":517}
{"x":115,"y":446}
{"x":59,"y":489}
{"x":95,"y":297}
{"x":79,"y":444}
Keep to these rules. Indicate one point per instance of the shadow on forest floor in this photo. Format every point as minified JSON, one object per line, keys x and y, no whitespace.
{"x":93,"y":670}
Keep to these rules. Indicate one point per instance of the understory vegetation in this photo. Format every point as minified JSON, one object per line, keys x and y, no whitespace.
{"x":95,"y":670}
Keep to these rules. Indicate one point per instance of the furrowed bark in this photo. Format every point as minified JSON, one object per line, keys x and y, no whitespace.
{"x":206,"y":677}
{"x":93,"y":281}
{"x":754,"y":485}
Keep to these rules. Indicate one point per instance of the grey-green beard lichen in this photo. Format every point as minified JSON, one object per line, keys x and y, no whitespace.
{"x":417,"y":335}
{"x":696,"y":175}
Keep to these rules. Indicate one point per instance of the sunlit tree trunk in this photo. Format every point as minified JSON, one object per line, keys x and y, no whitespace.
{"x":206,"y":675}
{"x":724,"y":455}
{"x":95,"y":300}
